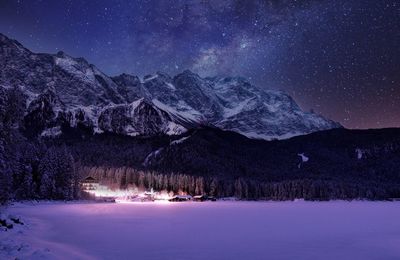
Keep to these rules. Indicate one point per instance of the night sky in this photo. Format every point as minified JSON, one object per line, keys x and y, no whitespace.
{"x":339,"y":58}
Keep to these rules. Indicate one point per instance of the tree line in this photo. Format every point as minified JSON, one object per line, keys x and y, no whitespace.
{"x":29,"y":169}
{"x":241,"y":188}
{"x":210,"y":162}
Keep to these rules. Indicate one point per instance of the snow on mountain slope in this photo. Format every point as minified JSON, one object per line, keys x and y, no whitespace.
{"x":231,"y":103}
{"x":85,"y":96}
{"x":138,"y":118}
{"x":129,"y":87}
{"x":65,"y":90}
{"x":76,"y":82}
{"x":180,"y":112}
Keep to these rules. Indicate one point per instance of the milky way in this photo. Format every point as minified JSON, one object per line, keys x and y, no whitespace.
{"x":339,"y":58}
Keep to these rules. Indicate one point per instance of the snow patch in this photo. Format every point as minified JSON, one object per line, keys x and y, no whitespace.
{"x":73,"y":67}
{"x":303,"y":157}
{"x":271,"y":107}
{"x":179,"y":141}
{"x":134,"y":105}
{"x":52,"y":132}
{"x":228,"y":112}
{"x":174,"y":129}
{"x":170,"y":86}
{"x":182,"y":110}
{"x":359,"y":154}
{"x":151,"y":156}
{"x":150,"y":78}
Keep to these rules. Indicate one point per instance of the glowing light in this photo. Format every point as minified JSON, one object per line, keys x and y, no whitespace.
{"x":130,"y":195}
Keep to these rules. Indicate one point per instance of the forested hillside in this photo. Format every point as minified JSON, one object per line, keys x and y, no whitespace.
{"x":333,"y":164}
{"x":345,"y":164}
{"x":29,"y":168}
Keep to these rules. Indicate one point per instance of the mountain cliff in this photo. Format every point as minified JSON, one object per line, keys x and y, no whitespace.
{"x":63,"y":90}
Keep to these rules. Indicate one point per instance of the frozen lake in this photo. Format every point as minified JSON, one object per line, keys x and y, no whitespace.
{"x":209,"y":230}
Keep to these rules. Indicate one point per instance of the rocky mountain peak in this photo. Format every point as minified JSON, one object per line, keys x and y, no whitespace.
{"x":125,"y":104}
{"x":9,"y":47}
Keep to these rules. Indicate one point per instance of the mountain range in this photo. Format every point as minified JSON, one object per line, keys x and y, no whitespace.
{"x":62,"y":119}
{"x":62,"y":90}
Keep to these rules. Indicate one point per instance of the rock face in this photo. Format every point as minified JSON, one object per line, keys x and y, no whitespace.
{"x":76,"y":82}
{"x":231,"y":103}
{"x":138,"y":118}
{"x":66,"y":90}
{"x":42,"y":112}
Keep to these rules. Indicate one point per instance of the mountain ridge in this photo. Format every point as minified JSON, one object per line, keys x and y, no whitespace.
{"x":188,"y":100}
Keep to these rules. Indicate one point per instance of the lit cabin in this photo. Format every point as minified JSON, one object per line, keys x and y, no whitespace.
{"x":204,"y":198}
{"x":200,"y":198}
{"x":181,"y":198}
{"x":89,"y":183}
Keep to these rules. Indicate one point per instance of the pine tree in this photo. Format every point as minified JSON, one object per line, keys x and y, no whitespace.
{"x":213,"y":187}
{"x":238,"y":189}
{"x":58,"y":175}
{"x":12,"y":108}
{"x":5,"y":177}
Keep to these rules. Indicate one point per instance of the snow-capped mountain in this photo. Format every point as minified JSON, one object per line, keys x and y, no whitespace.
{"x":66,"y":90}
{"x":138,"y":118}
{"x":230,"y":103}
{"x":76,"y":82}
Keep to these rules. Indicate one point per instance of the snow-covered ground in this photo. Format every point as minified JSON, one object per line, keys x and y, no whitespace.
{"x":209,"y":230}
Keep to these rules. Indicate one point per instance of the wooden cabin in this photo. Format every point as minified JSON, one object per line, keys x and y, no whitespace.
{"x":89,"y":183}
{"x":181,"y":198}
{"x":200,"y":198}
{"x":204,"y":198}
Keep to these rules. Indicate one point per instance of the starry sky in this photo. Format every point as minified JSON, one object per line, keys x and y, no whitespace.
{"x":340,"y":58}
